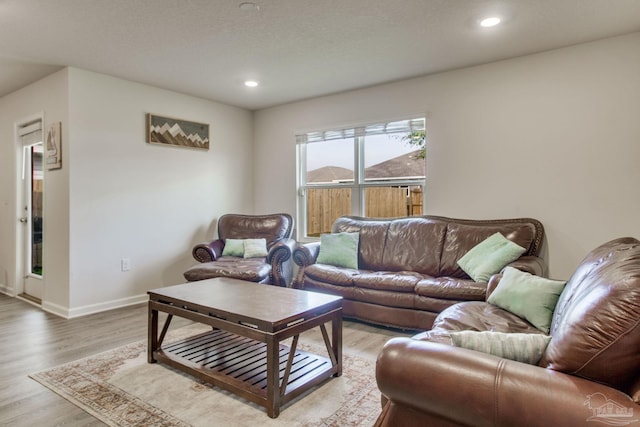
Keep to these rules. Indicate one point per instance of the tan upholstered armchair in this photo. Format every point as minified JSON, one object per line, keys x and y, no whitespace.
{"x":275,"y":267}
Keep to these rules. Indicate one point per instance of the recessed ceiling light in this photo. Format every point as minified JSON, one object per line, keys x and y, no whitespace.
{"x":490,"y":22}
{"x":251,"y":83}
{"x":249,"y":6}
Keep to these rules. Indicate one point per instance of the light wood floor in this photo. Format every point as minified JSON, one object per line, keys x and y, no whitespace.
{"x":32,"y":340}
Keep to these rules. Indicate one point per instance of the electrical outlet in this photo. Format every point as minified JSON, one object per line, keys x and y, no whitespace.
{"x":125,"y":264}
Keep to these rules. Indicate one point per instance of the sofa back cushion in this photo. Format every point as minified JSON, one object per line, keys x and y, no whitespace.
{"x":414,"y":244}
{"x":596,"y":324}
{"x":372,"y":238}
{"x":399,"y":244}
{"x":461,"y":237}
{"x":272,"y":227}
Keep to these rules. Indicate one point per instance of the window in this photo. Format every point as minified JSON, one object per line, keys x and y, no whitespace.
{"x":375,"y":171}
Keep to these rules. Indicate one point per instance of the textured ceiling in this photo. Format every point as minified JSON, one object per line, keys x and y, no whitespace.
{"x":297,"y":49}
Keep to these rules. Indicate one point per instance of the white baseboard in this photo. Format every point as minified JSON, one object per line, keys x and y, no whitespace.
{"x":5,"y":289}
{"x":92,"y":308}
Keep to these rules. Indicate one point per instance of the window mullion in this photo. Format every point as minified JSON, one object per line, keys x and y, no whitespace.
{"x":358,"y":188}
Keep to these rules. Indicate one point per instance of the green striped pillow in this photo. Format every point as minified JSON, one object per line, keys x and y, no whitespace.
{"x":526,"y":348}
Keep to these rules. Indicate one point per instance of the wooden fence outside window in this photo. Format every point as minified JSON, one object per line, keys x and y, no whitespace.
{"x":324,"y":205}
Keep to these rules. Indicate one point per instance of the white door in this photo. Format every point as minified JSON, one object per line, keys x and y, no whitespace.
{"x":32,"y":214}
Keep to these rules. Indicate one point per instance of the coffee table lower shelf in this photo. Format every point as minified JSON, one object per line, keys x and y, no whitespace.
{"x":239,"y":365}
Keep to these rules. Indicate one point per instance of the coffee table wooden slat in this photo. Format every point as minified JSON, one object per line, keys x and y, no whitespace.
{"x":243,"y":353}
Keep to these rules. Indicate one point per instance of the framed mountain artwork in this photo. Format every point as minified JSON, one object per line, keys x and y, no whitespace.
{"x":181,"y":133}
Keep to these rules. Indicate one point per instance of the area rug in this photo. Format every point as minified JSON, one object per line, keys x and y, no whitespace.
{"x":120,"y":388}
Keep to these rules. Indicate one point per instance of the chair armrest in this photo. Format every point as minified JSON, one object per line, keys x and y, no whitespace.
{"x":464,"y":387}
{"x":281,"y":262}
{"x":530,"y":264}
{"x":306,"y":254}
{"x":208,"y":251}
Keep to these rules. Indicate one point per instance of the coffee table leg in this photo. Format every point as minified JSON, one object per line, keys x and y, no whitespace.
{"x":336,"y":338}
{"x":152,"y":339}
{"x":273,"y":378}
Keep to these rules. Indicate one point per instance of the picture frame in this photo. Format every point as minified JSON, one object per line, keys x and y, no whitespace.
{"x":53,"y":145}
{"x":177,"y":132}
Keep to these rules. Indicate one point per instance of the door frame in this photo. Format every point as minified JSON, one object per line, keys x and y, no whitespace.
{"x":20,"y":261}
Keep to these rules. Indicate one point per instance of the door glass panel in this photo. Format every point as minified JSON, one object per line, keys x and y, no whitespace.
{"x":37,"y":188}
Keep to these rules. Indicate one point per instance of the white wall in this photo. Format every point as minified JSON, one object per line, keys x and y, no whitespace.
{"x":553,"y":136}
{"x":117,"y":196}
{"x":49,"y":98}
{"x":148,"y":203}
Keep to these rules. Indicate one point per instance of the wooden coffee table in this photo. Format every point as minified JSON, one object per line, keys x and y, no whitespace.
{"x":243,"y":352}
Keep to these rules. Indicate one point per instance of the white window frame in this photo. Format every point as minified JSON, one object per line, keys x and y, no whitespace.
{"x":358,"y":186}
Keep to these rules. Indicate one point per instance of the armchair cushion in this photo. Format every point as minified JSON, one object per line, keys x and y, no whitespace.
{"x":526,"y":348}
{"x":489,"y":257}
{"x":233,"y":247}
{"x":531,"y":297}
{"x":250,"y":269}
{"x":254,"y":248}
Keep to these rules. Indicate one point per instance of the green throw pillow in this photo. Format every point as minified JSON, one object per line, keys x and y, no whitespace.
{"x":233,"y":247}
{"x":489,"y":257}
{"x":526,"y":348}
{"x":531,"y":297}
{"x":254,"y":248}
{"x":339,"y":249}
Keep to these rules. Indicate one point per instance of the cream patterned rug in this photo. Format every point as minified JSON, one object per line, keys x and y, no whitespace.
{"x":120,"y":388}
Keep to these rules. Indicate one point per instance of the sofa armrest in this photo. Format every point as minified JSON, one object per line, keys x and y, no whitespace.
{"x":530,"y":264}
{"x":208,"y":251}
{"x":306,"y":254}
{"x":435,"y":381}
{"x":281,"y":261}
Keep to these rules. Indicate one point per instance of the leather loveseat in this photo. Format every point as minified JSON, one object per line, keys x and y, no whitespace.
{"x":407,"y":267}
{"x":276,"y":267}
{"x":589,"y":373}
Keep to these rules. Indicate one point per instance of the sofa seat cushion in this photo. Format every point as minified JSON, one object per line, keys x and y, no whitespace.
{"x":385,"y":298}
{"x":397,"y":281}
{"x":338,"y":276}
{"x":435,"y":305}
{"x":250,"y":269}
{"x":372,"y":296}
{"x":451,"y":288}
{"x":475,"y":316}
{"x":346,"y":292}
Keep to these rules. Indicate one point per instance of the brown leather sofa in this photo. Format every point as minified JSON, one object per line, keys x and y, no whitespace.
{"x":407,"y":267}
{"x":276,"y":268}
{"x":589,"y":373}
